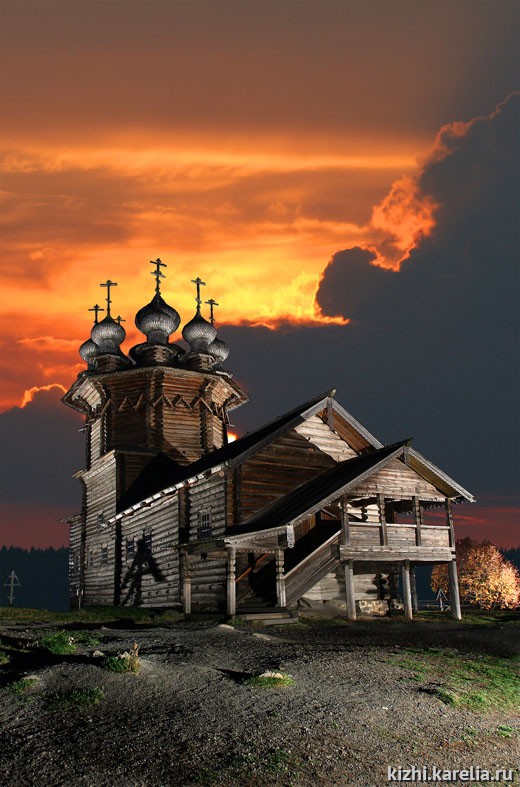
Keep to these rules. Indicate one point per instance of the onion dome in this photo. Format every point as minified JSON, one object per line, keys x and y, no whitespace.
{"x":88,"y":351}
{"x":157,"y":320}
{"x":108,"y":335}
{"x":199,"y":333}
{"x":219,"y":350}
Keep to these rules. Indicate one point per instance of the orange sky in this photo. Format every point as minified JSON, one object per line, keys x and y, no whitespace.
{"x":242,"y":142}
{"x":245,"y":142}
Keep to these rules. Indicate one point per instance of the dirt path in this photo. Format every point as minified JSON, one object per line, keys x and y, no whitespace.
{"x":363,"y":700}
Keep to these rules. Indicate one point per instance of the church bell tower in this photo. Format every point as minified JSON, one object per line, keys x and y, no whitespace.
{"x":160,"y":402}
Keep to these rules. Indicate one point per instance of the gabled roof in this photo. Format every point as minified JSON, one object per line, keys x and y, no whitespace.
{"x":435,"y":476}
{"x":149,"y":483}
{"x":313,"y":495}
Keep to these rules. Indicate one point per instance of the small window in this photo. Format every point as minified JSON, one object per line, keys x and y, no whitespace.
{"x":104,"y":556}
{"x":205,"y":530}
{"x":130,"y":548}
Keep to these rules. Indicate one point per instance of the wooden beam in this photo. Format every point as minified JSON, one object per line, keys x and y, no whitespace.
{"x":349,"y":590}
{"x":186,"y":582}
{"x":231,"y":585}
{"x":345,"y":525}
{"x":407,"y":593}
{"x":454,"y":590}
{"x":413,"y":587}
{"x":418,"y":514}
{"x":383,"y":535}
{"x":280,"y":578}
{"x":449,"y":521}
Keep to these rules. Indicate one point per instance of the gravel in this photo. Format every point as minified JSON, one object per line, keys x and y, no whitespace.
{"x":188,"y":719}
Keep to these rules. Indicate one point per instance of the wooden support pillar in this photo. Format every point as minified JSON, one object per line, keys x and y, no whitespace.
{"x":231,"y":585}
{"x":349,"y":590}
{"x":186,"y":582}
{"x":383,"y":533}
{"x":413,"y":588}
{"x":449,"y":521}
{"x":407,"y":592}
{"x":280,"y":578}
{"x":454,"y":590}
{"x":418,"y":515}
{"x":345,"y":525}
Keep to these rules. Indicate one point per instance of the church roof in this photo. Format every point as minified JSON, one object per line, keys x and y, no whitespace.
{"x":159,"y":476}
{"x":313,"y":495}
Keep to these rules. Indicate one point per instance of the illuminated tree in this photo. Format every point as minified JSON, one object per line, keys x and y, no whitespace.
{"x":486,"y":578}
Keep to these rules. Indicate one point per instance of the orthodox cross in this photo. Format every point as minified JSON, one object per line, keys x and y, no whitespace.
{"x":96,"y":309}
{"x":157,"y":273}
{"x":11,"y":583}
{"x":198,"y":282}
{"x":119,"y":319}
{"x":211,"y":304}
{"x":108,"y":284}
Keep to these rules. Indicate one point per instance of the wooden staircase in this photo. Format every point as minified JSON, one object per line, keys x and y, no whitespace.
{"x":312,"y":557}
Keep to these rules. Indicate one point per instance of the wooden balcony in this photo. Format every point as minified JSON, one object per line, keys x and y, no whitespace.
{"x":400,"y":541}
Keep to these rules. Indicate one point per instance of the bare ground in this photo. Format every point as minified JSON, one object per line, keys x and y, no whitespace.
{"x":187,"y":718}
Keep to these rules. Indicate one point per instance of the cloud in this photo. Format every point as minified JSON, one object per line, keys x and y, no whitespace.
{"x":40,"y":448}
{"x":30,"y":394}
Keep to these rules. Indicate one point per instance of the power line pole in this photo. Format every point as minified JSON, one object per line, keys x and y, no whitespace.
{"x":12,"y":582}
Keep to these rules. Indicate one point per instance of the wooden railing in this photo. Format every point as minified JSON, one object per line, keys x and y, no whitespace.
{"x":312,"y":568}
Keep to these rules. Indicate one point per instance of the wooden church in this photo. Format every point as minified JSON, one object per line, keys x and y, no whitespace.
{"x":310,"y":508}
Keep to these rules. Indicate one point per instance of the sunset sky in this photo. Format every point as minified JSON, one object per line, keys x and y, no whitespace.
{"x":343,"y":175}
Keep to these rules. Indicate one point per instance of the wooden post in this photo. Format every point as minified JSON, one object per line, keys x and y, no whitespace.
{"x":231,"y":586}
{"x":349,"y":590}
{"x":383,"y":534}
{"x":413,"y":587}
{"x":345,"y":525}
{"x":454,"y":590}
{"x":418,"y":515}
{"x":280,"y":578}
{"x":449,"y":521}
{"x":407,"y":594}
{"x":186,"y":582}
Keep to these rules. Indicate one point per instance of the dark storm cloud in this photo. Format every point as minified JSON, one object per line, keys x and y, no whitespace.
{"x":431,"y":351}
{"x":350,"y":67}
{"x":40,"y":448}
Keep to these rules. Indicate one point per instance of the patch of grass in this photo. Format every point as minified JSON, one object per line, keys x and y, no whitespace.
{"x":4,"y":658}
{"x":76,"y":698}
{"x":505,"y":731}
{"x":270,"y":680}
{"x":23,"y":686}
{"x":446,"y":696}
{"x":152,"y":617}
{"x":61,"y":643}
{"x":123,"y":662}
{"x":85,"y":638}
{"x":479,"y":683}
{"x":278,"y":761}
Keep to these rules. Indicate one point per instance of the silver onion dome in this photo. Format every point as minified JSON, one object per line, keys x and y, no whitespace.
{"x":199,"y":333}
{"x":157,"y":320}
{"x":108,"y":335}
{"x":219,"y":350}
{"x":88,"y":350}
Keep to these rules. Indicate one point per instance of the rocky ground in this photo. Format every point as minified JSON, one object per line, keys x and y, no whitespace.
{"x":365,"y":697}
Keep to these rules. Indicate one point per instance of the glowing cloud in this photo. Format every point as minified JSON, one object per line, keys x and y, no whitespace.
{"x":31,"y":392}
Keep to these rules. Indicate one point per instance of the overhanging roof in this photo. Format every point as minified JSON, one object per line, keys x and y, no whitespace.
{"x":313,"y":495}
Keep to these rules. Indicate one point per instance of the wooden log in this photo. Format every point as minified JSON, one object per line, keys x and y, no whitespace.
{"x":231,"y":585}
{"x":349,"y":590}
{"x":413,"y":587}
{"x":454,"y":590}
{"x":407,"y":593}
{"x":382,"y":519}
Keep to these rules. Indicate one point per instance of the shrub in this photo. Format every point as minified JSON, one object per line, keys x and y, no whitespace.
{"x":123,"y":662}
{"x":270,"y":680}
{"x":61,"y":643}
